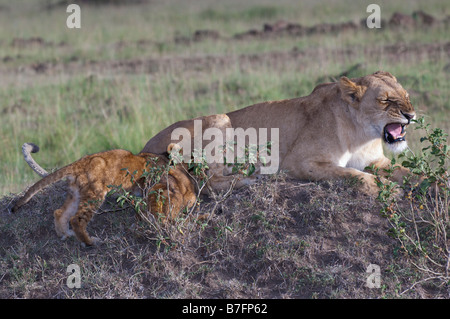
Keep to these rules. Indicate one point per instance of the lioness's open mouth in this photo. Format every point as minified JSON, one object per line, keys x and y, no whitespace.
{"x":394,"y":133}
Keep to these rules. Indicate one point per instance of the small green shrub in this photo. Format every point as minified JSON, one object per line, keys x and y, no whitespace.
{"x":167,"y":235}
{"x":420,"y":220}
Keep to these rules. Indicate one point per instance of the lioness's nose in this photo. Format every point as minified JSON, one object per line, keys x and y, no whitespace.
{"x":409,"y":116}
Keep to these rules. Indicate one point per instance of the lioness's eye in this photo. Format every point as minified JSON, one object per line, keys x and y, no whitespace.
{"x":388,"y":101}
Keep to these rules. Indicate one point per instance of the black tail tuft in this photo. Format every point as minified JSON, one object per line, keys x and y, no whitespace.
{"x":12,"y":208}
{"x":34,"y":147}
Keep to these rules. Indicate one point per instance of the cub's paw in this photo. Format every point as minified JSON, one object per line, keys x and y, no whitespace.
{"x":94,"y":241}
{"x":67,"y":234}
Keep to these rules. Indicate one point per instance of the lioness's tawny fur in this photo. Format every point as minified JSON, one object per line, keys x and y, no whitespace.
{"x":90,"y":177}
{"x":335,"y":132}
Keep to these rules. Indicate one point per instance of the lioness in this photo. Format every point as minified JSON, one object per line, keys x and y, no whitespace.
{"x":335,"y":132}
{"x":90,"y":180}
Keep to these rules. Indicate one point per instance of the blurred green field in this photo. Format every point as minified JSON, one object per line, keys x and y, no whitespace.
{"x":131,"y":70}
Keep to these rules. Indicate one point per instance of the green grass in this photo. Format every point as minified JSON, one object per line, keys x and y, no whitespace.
{"x":90,"y":114}
{"x":74,"y":112}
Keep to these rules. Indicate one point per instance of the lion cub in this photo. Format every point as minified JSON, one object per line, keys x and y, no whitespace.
{"x":90,"y":176}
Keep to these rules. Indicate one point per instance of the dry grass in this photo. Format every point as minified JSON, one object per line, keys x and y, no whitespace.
{"x":275,"y":239}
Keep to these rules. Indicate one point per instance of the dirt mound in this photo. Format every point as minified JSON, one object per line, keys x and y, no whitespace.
{"x":276,"y":239}
{"x":206,"y":34}
{"x":23,"y":43}
{"x":423,"y":18}
{"x":199,"y":35}
{"x":417,"y":19}
{"x":401,"y":20}
{"x":284,"y":28}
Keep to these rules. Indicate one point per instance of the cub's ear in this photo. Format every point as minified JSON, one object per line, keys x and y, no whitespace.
{"x":350,"y":91}
{"x":175,"y":153}
{"x":173,"y":148}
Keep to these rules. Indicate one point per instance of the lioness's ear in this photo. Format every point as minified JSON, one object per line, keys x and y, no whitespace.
{"x":350,"y":91}
{"x":384,"y":73}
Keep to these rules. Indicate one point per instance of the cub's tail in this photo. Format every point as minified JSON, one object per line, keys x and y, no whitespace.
{"x":27,"y":149}
{"x":46,"y":181}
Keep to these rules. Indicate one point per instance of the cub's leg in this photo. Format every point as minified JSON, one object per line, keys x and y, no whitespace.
{"x":63,"y":214}
{"x":173,"y":205}
{"x":90,"y":201}
{"x":158,"y":201}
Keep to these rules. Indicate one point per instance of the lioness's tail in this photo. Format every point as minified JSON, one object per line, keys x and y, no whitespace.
{"x":46,"y":181}
{"x":27,"y":149}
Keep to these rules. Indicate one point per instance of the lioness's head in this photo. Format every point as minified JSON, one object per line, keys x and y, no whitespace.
{"x":382,"y":106}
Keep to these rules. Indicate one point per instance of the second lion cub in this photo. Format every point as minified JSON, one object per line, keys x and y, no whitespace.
{"x":90,"y":176}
